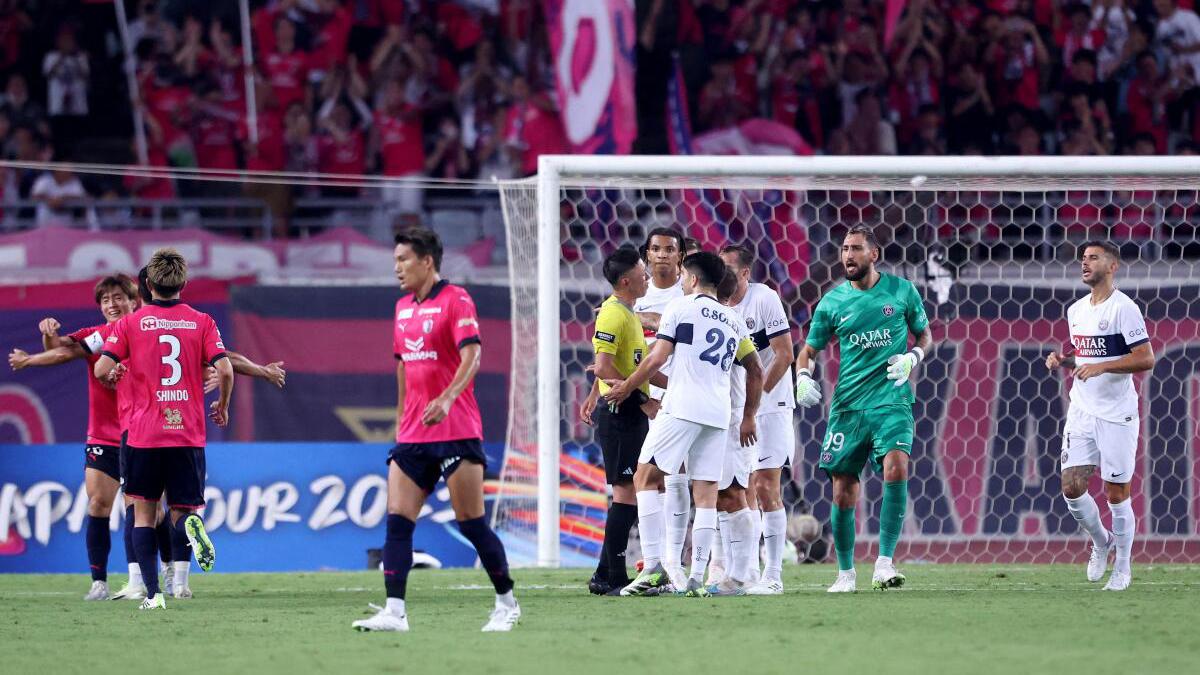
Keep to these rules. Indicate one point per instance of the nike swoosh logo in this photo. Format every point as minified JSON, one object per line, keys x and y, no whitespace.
{"x":770,"y":536}
{"x":845,"y":319}
{"x":680,"y":514}
{"x":763,"y":459}
{"x":1117,"y":475}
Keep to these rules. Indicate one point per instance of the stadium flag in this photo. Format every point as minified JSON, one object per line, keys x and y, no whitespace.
{"x":704,"y":223}
{"x":894,"y":9}
{"x":592,"y":42}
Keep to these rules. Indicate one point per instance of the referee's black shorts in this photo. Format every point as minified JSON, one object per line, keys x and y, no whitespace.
{"x":620,"y":435}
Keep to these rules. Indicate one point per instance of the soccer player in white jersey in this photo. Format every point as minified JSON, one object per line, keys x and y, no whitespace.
{"x":1110,"y":343}
{"x":767,"y":324}
{"x":705,"y":339}
{"x":737,"y":531}
{"x":663,"y":252}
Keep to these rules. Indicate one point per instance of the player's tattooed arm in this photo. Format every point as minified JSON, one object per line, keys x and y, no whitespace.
{"x":19,"y":358}
{"x":650,"y":365}
{"x":439,"y":407}
{"x":649,"y":320}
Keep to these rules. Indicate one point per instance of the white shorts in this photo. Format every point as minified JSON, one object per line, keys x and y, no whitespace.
{"x":739,"y":461}
{"x":1091,"y":441}
{"x":776,"y":440}
{"x":672,"y":441}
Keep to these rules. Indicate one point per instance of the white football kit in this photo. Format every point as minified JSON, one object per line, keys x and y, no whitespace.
{"x":739,"y":461}
{"x":694,"y":419}
{"x":655,"y":300}
{"x":765,"y":318}
{"x":1102,"y":420}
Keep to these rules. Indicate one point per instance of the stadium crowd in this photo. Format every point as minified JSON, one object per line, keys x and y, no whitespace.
{"x":464,"y":88}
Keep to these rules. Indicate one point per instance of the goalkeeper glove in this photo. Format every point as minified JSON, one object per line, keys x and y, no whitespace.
{"x":900,"y":366}
{"x":808,"y":393}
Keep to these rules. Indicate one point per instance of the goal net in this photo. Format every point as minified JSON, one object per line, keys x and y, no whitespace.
{"x":992,"y":246}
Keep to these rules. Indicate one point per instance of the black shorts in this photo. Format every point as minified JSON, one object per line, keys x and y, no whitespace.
{"x":424,"y":463}
{"x":620,"y":435}
{"x":103,"y":458}
{"x":178,"y":471}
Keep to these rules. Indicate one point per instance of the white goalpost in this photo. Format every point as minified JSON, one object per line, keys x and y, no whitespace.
{"x":990,"y":241}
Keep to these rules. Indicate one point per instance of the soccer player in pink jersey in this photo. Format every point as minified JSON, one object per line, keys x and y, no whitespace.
{"x":438,"y":429}
{"x":117,"y":296}
{"x":165,"y":347}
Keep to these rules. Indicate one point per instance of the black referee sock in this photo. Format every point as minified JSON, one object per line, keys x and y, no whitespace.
{"x":490,"y":550}
{"x":621,"y":518}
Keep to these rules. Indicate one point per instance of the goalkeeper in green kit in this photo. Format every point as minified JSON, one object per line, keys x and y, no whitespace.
{"x":872,"y":315}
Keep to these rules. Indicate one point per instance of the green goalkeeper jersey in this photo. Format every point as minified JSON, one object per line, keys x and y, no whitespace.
{"x":871,"y":326}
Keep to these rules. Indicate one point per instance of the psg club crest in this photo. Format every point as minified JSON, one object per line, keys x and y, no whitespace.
{"x":427,"y":326}
{"x":888,"y":310}
{"x":1103,"y":324}
{"x":826,"y":457}
{"x":750,"y":324}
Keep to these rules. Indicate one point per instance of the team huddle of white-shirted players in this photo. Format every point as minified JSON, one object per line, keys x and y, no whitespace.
{"x":728,"y":431}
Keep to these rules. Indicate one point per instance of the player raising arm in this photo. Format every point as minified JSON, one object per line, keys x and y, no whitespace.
{"x":117,"y":296}
{"x":439,"y":432}
{"x":705,"y":339}
{"x":872,"y":315}
{"x":165,"y":346}
{"x":1110,"y":343}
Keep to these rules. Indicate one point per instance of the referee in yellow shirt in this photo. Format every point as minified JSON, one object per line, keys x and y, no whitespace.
{"x":619,"y":344}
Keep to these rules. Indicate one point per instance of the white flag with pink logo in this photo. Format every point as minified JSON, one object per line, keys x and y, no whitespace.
{"x":593,"y":42}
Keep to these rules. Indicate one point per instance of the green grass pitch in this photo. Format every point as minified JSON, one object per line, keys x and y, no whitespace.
{"x":974,"y":619}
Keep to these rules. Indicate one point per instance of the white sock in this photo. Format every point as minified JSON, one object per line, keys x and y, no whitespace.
{"x":756,"y":539}
{"x":1123,"y":527}
{"x":135,"y":575}
{"x":1087,"y":514}
{"x":506,"y":599}
{"x":883,"y":560}
{"x":720,"y":545}
{"x":741,"y":546}
{"x":396,"y":607}
{"x":678,"y":508}
{"x":650,"y":527}
{"x":775,"y":538}
{"x":181,"y":569}
{"x":704,"y":530}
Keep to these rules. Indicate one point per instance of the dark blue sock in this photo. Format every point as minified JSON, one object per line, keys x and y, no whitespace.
{"x":99,"y":543}
{"x":181,"y":550}
{"x":397,"y":555}
{"x":490,"y":550}
{"x":127,"y":534}
{"x":145,"y":543}
{"x":162,"y":534}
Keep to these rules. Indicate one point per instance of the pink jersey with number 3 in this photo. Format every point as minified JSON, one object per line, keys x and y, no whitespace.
{"x":166,"y":346}
{"x":427,"y":338}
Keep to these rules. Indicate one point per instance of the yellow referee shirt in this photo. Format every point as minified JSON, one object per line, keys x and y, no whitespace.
{"x":619,"y":332}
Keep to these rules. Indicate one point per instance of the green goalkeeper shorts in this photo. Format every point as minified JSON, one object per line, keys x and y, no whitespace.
{"x":854,"y":436}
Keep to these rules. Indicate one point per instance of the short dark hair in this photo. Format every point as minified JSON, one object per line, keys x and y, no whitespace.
{"x":424,"y":243}
{"x":619,"y":262}
{"x":692,"y":243}
{"x":1109,"y":248}
{"x":866,"y":231}
{"x":745,"y":256}
{"x":116,"y":282}
{"x":665,"y":232}
{"x":143,"y":286}
{"x":728,"y":286}
{"x":708,"y":267}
